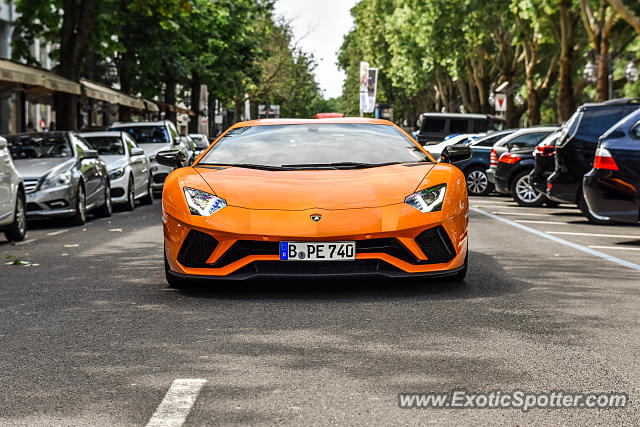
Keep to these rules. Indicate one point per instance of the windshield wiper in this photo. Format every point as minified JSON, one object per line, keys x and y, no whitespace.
{"x":339,"y":165}
{"x":242,"y":165}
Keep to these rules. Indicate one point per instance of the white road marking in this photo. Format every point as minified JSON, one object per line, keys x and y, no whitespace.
{"x":577,"y":246}
{"x":55,"y":233}
{"x":619,"y":248}
{"x":521,"y":213}
{"x":539,"y":222}
{"x":570,"y":233}
{"x":175,"y":407}
{"x":24,"y":242}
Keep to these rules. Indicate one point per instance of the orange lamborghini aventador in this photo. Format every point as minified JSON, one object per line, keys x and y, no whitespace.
{"x":328,"y":197}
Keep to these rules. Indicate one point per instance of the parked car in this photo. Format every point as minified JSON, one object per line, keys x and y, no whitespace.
{"x":63,"y":175}
{"x":512,"y":177}
{"x":475,"y":169}
{"x":129,"y":168}
{"x":576,"y":149}
{"x":612,"y":188}
{"x":201,"y":141}
{"x":191,"y":148}
{"x":154,"y":137}
{"x":436,"y":150}
{"x":13,"y":219}
{"x":434,"y":127}
{"x":544,"y":162}
{"x":528,"y":137}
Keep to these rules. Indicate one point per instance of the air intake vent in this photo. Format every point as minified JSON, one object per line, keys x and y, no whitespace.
{"x":436,"y":245}
{"x":196,"y":249}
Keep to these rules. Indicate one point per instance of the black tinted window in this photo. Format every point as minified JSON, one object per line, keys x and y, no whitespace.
{"x":595,"y":122}
{"x":107,"y":145}
{"x":459,"y":126}
{"x":146,"y":134}
{"x":309,"y":144}
{"x":480,"y":125}
{"x":528,"y":139}
{"x":489,"y":141}
{"x":433,"y":125}
{"x":39,"y":145}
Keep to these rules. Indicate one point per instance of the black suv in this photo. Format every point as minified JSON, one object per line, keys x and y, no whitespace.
{"x":435,"y":127}
{"x":576,"y":147}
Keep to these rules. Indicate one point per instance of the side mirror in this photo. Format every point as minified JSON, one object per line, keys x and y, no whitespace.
{"x":3,"y":143}
{"x":455,"y":153}
{"x":90,"y":154}
{"x":137,"y":151}
{"x":171,"y":158}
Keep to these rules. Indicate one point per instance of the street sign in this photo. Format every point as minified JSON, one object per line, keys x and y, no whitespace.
{"x":501,"y":102}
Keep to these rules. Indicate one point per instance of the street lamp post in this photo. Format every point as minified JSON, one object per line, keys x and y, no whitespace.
{"x":590,"y":74}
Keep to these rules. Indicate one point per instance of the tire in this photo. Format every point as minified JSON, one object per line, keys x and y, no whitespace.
{"x":173,"y":281}
{"x":584,"y":208}
{"x":80,"y":217}
{"x":477,"y":182}
{"x":18,"y":229}
{"x":131,"y":197}
{"x":148,"y":199}
{"x":523,"y":193}
{"x":106,"y":209}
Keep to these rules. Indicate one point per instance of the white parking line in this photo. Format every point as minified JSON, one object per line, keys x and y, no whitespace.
{"x":538,"y":222}
{"x":521,"y":213}
{"x":569,"y":233}
{"x":24,"y":242}
{"x":559,"y":240}
{"x":615,"y":248}
{"x":175,"y":407}
{"x":55,"y":233}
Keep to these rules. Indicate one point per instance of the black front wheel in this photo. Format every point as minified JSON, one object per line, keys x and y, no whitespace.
{"x":18,"y":229}
{"x":477,"y":181}
{"x":148,"y":199}
{"x":106,"y":209}
{"x":131,"y":197}
{"x":80,"y":217}
{"x":523,"y":192}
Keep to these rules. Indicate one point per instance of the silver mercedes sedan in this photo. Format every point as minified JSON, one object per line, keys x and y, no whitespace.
{"x":63,"y":175}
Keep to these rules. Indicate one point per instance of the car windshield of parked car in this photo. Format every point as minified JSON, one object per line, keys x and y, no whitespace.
{"x":597,"y":121}
{"x":201,"y":141}
{"x":107,"y":145}
{"x":527,"y":140}
{"x":146,"y":134}
{"x":39,"y":146}
{"x":315,"y":145}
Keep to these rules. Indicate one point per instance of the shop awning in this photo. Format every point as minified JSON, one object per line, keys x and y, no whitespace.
{"x":14,"y":73}
{"x":151,"y":106}
{"x":102,"y":93}
{"x":175,"y":109}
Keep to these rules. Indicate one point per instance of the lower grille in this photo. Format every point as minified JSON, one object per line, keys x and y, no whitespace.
{"x":436,"y":245}
{"x":32,"y":207}
{"x":159,"y":178}
{"x":196,"y":249}
{"x":359,"y":266}
{"x":117,"y":192}
{"x":389,"y":246}
{"x":30,"y":185}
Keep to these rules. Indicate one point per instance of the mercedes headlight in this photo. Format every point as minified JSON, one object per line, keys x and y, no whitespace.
{"x":116,"y":173}
{"x":428,"y":200}
{"x":202,"y":203}
{"x":57,"y":180}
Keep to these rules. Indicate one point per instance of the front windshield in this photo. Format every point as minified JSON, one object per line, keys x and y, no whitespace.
{"x":107,"y":145}
{"x":146,"y":134}
{"x":39,"y":146}
{"x":305,"y":145}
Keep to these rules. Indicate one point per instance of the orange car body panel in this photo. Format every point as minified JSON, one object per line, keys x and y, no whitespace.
{"x":276,"y":206}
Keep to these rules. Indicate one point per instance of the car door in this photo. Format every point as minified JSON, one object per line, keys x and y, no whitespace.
{"x":90,"y":170}
{"x":138,"y":163}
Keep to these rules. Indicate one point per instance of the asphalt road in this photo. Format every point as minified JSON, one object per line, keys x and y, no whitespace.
{"x":91,"y":335}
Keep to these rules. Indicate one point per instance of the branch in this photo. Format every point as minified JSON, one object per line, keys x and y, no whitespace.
{"x":588,"y":19}
{"x":626,"y":14}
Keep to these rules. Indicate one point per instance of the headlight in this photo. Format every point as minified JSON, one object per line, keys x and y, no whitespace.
{"x":202,"y":203}
{"x":429,"y":199}
{"x":116,"y":173}
{"x":57,"y":180}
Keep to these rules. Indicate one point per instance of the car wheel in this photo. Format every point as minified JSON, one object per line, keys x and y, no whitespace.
{"x":80,"y":216}
{"x":106,"y":209}
{"x":18,"y":229}
{"x":131,"y":197}
{"x":584,"y":208}
{"x":173,"y":281}
{"x":477,"y":182}
{"x":148,"y":199}
{"x":523,"y":193}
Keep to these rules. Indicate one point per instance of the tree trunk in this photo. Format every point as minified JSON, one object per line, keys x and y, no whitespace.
{"x":170,"y":96}
{"x":602,"y":85}
{"x":566,"y":98}
{"x":195,"y":102}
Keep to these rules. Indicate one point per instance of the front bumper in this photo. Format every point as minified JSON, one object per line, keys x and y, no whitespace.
{"x":119,"y":188}
{"x":501,"y":185}
{"x":491,"y":175}
{"x":57,"y":202}
{"x":159,"y":173}
{"x":608,"y":194}
{"x":391,"y":241}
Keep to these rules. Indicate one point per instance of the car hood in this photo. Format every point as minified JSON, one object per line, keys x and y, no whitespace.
{"x":37,"y":168}
{"x":115,"y":162}
{"x":319,"y":189}
{"x":152,"y":149}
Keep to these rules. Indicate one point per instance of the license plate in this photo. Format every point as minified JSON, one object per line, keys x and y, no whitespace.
{"x":317,"y":251}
